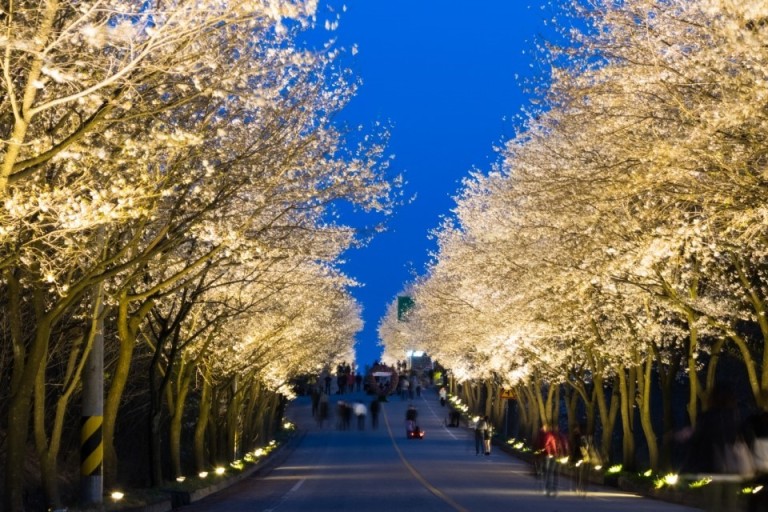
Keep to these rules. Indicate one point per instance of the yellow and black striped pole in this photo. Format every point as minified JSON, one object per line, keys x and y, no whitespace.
{"x":91,"y":439}
{"x":91,"y":446}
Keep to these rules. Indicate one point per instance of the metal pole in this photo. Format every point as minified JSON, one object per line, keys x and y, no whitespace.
{"x":91,"y":442}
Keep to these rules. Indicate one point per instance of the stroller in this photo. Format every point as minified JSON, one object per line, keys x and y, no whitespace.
{"x":412,"y":430}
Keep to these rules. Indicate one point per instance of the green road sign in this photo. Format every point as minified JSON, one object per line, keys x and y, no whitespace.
{"x":404,"y":304}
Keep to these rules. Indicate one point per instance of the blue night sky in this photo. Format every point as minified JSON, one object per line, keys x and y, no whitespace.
{"x":447,"y":76}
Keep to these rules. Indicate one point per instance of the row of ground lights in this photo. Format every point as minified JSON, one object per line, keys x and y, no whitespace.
{"x":457,"y":404}
{"x":250,"y":457}
{"x":668,"y":480}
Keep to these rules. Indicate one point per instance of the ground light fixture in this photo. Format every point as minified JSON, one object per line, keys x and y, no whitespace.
{"x":668,"y":480}
{"x":117,"y":495}
{"x":700,"y":483}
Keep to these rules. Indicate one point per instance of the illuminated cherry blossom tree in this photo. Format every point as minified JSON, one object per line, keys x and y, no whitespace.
{"x":622,"y":236}
{"x":148,"y":148}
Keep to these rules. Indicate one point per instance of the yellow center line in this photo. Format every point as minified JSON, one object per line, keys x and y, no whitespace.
{"x":431,"y":488}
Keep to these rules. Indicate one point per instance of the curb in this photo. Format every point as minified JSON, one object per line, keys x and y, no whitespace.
{"x":263,"y":467}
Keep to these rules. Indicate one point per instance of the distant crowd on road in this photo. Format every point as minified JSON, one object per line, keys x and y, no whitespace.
{"x":346,"y":381}
{"x":409,"y":387}
{"x":345,"y":410}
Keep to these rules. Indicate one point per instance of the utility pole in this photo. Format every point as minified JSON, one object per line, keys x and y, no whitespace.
{"x":92,"y":416}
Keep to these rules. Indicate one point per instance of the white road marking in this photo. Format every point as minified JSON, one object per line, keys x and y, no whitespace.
{"x":445,"y":427}
{"x":297,"y":485}
{"x":282,"y":500}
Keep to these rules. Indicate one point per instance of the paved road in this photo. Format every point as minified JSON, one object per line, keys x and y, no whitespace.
{"x":382,"y":471}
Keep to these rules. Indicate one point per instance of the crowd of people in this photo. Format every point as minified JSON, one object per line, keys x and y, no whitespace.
{"x":409,"y":387}
{"x":347,"y":381}
{"x":345,"y":410}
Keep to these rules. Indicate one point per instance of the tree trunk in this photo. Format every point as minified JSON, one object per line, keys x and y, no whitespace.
{"x":471,"y":391}
{"x":186,"y":371}
{"x":155,"y":448}
{"x":571,"y":405}
{"x":250,"y":414}
{"x":490,"y":400}
{"x":202,"y":422}
{"x":154,"y":427}
{"x":644,"y":377}
{"x":127,"y":331}
{"x":527,"y":410}
{"x":589,"y":407}
{"x":213,"y":427}
{"x":14,"y":483}
{"x":759,"y":385}
{"x":19,"y":410}
{"x":693,"y":377}
{"x":545,"y":411}
{"x":273,"y":406}
{"x":603,"y":408}
{"x":71,"y":382}
{"x":48,"y":469}
{"x":233,"y":418}
{"x":667,"y":375}
{"x":553,"y":403}
{"x":627,"y":396}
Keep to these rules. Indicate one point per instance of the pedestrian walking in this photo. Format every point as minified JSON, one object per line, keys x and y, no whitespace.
{"x":360,"y":412}
{"x":553,"y":451}
{"x":327,"y":379}
{"x":487,"y":435}
{"x":480,"y":427}
{"x":315,"y":400}
{"x":375,"y":408}
{"x":588,"y":458}
{"x":454,"y":417}
{"x":322,"y":413}
{"x":443,"y":393}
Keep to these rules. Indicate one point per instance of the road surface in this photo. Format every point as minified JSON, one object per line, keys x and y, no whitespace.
{"x":379,"y":470}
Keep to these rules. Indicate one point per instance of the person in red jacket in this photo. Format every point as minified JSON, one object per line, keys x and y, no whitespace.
{"x":554,"y":449}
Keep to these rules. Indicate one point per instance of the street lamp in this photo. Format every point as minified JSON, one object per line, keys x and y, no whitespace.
{"x":413,"y":353}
